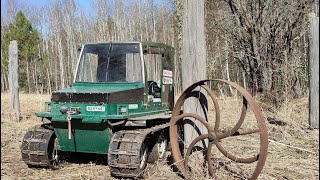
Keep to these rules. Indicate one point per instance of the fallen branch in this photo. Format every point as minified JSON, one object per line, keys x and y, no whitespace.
{"x":301,"y":149}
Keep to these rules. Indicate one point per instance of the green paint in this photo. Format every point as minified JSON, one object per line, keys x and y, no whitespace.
{"x":100,"y":87}
{"x":90,"y":138}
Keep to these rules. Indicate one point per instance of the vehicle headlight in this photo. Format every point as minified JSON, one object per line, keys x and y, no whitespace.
{"x":55,"y":97}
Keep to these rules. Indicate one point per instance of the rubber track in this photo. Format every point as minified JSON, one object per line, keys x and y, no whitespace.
{"x":124,"y":151}
{"x":34,"y":148}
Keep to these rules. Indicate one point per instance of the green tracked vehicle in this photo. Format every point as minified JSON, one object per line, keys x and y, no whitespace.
{"x":119,"y":105}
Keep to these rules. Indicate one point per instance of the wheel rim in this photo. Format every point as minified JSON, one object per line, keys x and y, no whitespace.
{"x":54,"y":158}
{"x":143,"y":157}
{"x":162,"y":146}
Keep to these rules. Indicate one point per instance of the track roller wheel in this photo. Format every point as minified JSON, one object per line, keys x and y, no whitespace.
{"x":159,"y":149}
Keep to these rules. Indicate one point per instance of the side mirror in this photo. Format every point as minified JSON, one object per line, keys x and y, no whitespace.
{"x":79,"y":48}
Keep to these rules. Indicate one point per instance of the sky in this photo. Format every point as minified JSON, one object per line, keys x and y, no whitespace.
{"x":84,"y":4}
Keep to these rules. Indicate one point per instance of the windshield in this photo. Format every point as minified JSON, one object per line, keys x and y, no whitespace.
{"x":110,"y":63}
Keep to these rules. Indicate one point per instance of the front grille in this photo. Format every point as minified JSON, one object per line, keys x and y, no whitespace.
{"x":80,"y":97}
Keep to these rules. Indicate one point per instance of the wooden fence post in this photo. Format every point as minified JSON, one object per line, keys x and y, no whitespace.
{"x":314,"y":75}
{"x":194,"y":69}
{"x":13,"y":80}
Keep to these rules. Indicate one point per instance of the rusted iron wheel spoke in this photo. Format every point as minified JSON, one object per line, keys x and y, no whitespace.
{"x":239,"y":123}
{"x":209,"y":159}
{"x":174,"y":138}
{"x":195,"y":116}
{"x":234,"y":158}
{"x":261,"y":158}
{"x":183,"y":163}
{"x":175,"y":117}
{"x":209,"y":155}
{"x":222,"y":135}
{"x":189,"y":150}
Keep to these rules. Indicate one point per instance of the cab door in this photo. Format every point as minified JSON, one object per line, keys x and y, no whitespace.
{"x":153,"y":74}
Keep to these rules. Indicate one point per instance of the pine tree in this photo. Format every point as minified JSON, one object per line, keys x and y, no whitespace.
{"x":28,"y":41}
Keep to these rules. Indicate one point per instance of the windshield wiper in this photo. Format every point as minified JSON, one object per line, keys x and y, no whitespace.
{"x":108,"y":60}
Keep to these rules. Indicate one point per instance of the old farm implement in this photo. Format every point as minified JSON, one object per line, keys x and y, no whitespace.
{"x":215,"y":135}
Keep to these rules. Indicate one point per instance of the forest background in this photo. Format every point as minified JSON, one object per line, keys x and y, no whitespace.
{"x":261,"y":44}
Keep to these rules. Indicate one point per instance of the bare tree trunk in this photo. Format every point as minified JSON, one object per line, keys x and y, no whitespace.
{"x":2,"y":83}
{"x":244,"y":80}
{"x":140,"y":22}
{"x":314,"y":75}
{"x":153,"y":22}
{"x":28,"y":77}
{"x":226,"y":62}
{"x":61,"y":65}
{"x":55,"y":69}
{"x":36,"y":77}
{"x":33,"y":81}
{"x":146,"y":34}
{"x":49,"y":82}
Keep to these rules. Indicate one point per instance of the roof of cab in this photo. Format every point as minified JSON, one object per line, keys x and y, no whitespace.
{"x":144,"y":43}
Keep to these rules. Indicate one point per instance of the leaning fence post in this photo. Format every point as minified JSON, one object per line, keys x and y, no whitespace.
{"x":13,"y":80}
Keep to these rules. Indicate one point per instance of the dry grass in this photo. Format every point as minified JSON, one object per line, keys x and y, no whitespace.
{"x":298,"y":160}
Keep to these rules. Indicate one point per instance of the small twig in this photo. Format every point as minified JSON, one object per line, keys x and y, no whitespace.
{"x":91,"y":170}
{"x":292,"y":146}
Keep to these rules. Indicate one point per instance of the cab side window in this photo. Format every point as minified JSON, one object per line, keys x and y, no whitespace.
{"x":153,"y":70}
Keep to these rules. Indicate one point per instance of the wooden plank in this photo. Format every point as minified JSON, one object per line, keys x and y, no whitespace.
{"x":314,"y":75}
{"x":14,"y":80}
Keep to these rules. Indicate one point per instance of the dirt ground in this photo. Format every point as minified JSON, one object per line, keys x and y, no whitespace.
{"x":293,"y":148}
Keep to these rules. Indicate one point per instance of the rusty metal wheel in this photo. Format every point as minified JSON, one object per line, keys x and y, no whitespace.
{"x":215,"y":135}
